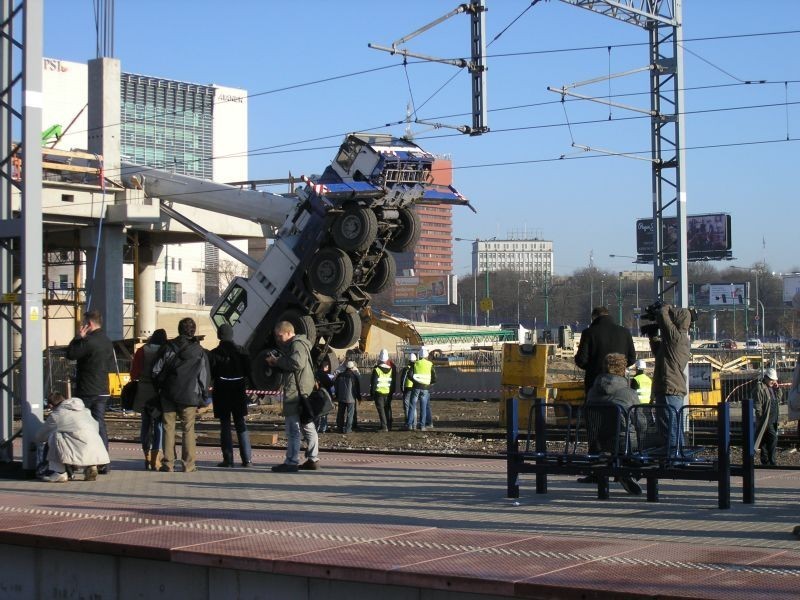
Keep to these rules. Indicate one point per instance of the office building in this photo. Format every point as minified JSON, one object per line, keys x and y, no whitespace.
{"x":530,"y":258}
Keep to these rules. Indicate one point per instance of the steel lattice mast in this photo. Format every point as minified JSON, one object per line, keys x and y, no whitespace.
{"x":663,"y":20}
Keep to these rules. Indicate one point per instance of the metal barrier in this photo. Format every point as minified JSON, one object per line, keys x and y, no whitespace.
{"x":639,"y":448}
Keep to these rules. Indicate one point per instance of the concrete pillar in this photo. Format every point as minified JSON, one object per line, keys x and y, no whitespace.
{"x":146,"y":291}
{"x":104,"y":278}
{"x":104,"y":113}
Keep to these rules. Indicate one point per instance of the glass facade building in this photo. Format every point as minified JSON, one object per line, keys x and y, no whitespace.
{"x":167,"y":125}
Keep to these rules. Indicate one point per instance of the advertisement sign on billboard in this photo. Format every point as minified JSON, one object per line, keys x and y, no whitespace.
{"x":708,"y":236}
{"x":424,"y":290}
{"x":727,"y":294}
{"x":791,"y":288}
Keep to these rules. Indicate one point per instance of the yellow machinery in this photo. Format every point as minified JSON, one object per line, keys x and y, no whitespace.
{"x":403,"y":329}
{"x":524,"y":365}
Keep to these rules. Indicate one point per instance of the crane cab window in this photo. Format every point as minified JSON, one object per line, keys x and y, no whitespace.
{"x":232,"y":307}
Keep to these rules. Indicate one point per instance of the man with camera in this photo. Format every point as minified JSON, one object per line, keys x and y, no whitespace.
{"x":669,"y":342}
{"x":298,"y":379}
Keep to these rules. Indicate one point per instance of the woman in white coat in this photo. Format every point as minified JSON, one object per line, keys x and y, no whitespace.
{"x":73,"y":438}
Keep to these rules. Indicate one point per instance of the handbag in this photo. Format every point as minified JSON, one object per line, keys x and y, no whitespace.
{"x":315,"y":404}
{"x":128,"y":394}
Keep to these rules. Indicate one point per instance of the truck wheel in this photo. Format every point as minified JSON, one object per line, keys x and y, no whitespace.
{"x":330,"y":271}
{"x":303,"y":324}
{"x":410,"y":230}
{"x":264,"y":377}
{"x":382,"y":275}
{"x":348,"y":335}
{"x":355,"y":229}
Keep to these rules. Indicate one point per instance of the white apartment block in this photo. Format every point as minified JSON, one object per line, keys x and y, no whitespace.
{"x":529,"y":257}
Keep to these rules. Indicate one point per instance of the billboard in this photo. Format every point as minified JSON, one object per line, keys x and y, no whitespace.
{"x":424,"y":290}
{"x":726,"y":294}
{"x":708,"y":237}
{"x":791,"y":290}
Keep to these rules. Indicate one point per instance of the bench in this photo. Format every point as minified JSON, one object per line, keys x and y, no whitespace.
{"x":641,"y":451}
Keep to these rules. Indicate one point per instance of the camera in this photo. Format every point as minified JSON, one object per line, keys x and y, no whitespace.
{"x":650,"y":312}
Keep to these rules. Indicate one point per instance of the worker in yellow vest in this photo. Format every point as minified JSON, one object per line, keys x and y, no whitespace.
{"x":407,"y":384}
{"x":382,"y":388}
{"x":424,"y":376}
{"x":641,"y":382}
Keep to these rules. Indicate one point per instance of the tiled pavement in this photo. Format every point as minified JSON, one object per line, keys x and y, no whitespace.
{"x":429,"y":522}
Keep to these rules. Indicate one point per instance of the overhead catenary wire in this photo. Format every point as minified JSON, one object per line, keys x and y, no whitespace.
{"x":547,"y":51}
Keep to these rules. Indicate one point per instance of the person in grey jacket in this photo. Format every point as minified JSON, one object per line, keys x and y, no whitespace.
{"x":608,"y":403}
{"x":73,"y":438}
{"x":671,"y":350}
{"x":298,"y":370}
{"x":767,"y":408}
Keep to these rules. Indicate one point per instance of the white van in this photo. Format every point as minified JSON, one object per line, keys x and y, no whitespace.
{"x":753,"y":344}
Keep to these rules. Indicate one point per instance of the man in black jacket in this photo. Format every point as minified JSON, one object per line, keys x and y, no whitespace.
{"x":94,"y":354}
{"x":601,"y":338}
{"x":181,"y":375}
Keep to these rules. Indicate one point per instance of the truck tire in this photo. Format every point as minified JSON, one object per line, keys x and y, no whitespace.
{"x":330,"y":272}
{"x":303,"y":324}
{"x":408,"y":235}
{"x":355,"y":229}
{"x":264,"y":377}
{"x":349,"y":334}
{"x":382,"y":275}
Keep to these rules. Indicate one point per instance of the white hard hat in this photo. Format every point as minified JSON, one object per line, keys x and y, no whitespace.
{"x":412,"y":357}
{"x":384,"y":355}
{"x":771,"y":374}
{"x":641,"y":364}
{"x":350,"y":365}
{"x":423,"y":352}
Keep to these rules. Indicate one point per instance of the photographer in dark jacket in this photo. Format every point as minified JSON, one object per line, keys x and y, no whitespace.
{"x":180,"y":373}
{"x":230,"y":368}
{"x":94,"y":354}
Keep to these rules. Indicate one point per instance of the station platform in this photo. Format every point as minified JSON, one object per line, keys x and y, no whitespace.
{"x":388,"y":526}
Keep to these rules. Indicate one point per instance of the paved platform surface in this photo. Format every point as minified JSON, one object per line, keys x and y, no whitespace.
{"x":440,"y":523}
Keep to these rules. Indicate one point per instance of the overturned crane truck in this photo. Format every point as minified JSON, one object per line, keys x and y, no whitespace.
{"x":332,"y":246}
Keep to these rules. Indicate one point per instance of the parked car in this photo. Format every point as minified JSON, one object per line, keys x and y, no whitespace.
{"x":711,"y":346}
{"x":753,"y":344}
{"x":728,"y":344}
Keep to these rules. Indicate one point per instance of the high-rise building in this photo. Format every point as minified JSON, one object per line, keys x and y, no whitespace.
{"x":433,"y":254}
{"x":187,"y":128}
{"x":531,"y":258}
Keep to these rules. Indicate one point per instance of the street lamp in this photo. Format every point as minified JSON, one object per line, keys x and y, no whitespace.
{"x":637,"y":311}
{"x":763,"y":314}
{"x":518,"y":282}
{"x":476,"y":241}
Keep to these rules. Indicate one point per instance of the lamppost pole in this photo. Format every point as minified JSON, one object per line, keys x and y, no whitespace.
{"x":619,"y":299}
{"x":518,"y":311}
{"x":636,"y":310}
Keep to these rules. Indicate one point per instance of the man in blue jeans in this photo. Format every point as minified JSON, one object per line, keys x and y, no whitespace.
{"x":423,"y":375}
{"x":670,"y":345}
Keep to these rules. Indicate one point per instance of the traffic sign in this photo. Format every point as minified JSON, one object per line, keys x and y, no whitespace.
{"x":486,"y":304}
{"x":10,"y":298}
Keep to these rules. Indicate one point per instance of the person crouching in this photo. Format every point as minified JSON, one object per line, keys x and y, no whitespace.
{"x":73,"y":438}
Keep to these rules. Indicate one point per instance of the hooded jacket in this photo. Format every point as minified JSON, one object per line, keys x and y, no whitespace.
{"x":73,"y":436}
{"x":296,"y":358}
{"x":94,"y":355}
{"x":180,"y":371}
{"x":614,"y":390}
{"x":672,"y":352}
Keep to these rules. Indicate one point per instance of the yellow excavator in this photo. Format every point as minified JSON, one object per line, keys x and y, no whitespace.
{"x":398,"y":327}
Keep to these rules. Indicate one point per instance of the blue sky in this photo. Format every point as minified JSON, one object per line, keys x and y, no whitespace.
{"x":586,"y":206}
